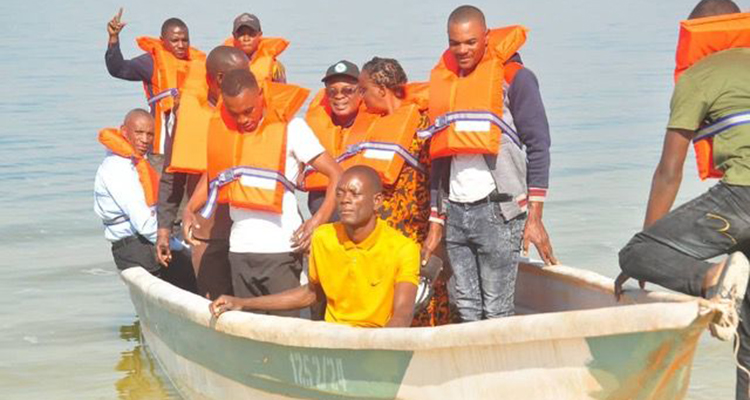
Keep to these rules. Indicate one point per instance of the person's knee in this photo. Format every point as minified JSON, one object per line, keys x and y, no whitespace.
{"x":633,"y":255}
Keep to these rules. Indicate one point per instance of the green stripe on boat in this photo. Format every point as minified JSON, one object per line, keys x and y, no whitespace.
{"x":300,"y":372}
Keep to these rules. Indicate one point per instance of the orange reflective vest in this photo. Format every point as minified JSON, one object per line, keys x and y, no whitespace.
{"x":247,"y":170}
{"x":166,"y":81}
{"x":264,"y":58}
{"x":113,"y":140}
{"x":466,"y":111}
{"x":383,"y":142}
{"x":699,"y":38}
{"x":332,"y":137}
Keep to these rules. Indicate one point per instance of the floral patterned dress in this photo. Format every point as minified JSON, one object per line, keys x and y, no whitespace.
{"x":406,"y":207}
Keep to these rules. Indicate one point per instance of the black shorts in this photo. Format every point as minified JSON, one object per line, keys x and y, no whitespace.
{"x":260,"y":274}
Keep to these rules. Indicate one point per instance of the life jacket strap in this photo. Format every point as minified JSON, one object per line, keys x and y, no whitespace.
{"x":722,"y":124}
{"x":355,"y":149}
{"x":232,"y":174}
{"x":116,"y":220}
{"x":384,"y":146}
{"x":162,"y":95}
{"x":446,"y":120}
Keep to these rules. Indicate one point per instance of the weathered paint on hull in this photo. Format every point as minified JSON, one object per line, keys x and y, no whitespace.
{"x":629,"y":352}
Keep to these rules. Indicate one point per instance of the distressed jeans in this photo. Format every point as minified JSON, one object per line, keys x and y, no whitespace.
{"x":672,"y":251}
{"x":483,"y":250}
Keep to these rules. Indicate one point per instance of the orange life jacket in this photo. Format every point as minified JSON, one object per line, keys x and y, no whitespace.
{"x":113,"y":140}
{"x":699,"y":38}
{"x":264,"y":57}
{"x":191,"y":128}
{"x":247,"y":170}
{"x":166,"y":81}
{"x":191,"y":134}
{"x":332,"y":137}
{"x":383,"y":142}
{"x":466,"y":111}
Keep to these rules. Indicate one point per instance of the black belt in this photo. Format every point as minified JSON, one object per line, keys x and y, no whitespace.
{"x":494,"y":197}
{"x":124,"y":242}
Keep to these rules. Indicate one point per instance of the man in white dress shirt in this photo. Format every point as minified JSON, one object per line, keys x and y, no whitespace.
{"x":121,"y":199}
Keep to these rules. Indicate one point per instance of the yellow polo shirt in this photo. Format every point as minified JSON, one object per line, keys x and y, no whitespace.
{"x":359,"y":280}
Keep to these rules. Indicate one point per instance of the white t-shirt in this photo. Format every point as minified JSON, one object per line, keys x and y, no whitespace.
{"x":265,"y":232}
{"x":471,"y":179}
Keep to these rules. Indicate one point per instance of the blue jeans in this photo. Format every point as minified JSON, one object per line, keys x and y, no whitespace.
{"x":483,"y":250}
{"x":671,"y":252}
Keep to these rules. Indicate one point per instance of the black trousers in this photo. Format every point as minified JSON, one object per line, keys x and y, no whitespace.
{"x":260,"y":274}
{"x":137,"y":251}
{"x":672,"y":252}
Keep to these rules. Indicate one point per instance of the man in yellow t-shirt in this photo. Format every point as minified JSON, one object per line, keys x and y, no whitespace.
{"x":367,"y":271}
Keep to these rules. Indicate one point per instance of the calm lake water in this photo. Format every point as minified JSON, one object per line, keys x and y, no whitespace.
{"x":68,"y":329}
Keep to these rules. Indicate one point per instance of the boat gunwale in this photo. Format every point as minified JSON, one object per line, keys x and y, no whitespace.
{"x":661,"y":311}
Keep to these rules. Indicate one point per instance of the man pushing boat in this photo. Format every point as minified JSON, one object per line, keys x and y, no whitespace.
{"x":367,"y":271}
{"x":710,"y":107}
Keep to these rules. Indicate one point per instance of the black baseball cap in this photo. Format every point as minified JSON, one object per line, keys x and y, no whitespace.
{"x":343,"y":67}
{"x":248,"y":20}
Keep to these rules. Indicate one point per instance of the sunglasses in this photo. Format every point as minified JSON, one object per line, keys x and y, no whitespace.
{"x":346,"y":92}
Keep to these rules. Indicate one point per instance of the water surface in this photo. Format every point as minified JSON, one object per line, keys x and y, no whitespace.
{"x":69,"y":330}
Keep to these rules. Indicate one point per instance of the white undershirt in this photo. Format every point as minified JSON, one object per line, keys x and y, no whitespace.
{"x":471,"y":179}
{"x":265,"y":232}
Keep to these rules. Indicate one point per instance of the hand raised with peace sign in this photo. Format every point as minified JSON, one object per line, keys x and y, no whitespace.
{"x":114,"y":27}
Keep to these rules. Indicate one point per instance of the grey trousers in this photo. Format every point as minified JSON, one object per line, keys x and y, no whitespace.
{"x":483,"y":249}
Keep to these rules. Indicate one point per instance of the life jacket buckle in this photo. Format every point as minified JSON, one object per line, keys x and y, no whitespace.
{"x":353,"y":148}
{"x":440,"y":121}
{"x":225,"y":177}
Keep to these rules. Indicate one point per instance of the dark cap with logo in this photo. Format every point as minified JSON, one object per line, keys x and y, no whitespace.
{"x":248,"y":20}
{"x":342,"y":68}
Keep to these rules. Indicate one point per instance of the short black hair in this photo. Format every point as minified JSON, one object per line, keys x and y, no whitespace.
{"x":172,"y":23}
{"x":237,"y":81}
{"x":223,"y":59}
{"x":388,"y":73}
{"x":711,"y":8}
{"x":466,"y":13}
{"x":368,"y":174}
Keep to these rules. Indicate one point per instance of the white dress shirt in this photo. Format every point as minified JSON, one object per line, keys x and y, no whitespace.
{"x":119,"y":201}
{"x":266,"y":232}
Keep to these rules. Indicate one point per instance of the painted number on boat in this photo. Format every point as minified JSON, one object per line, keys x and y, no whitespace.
{"x":320,"y":372}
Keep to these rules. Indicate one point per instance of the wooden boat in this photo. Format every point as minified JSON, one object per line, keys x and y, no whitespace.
{"x":571,"y":340}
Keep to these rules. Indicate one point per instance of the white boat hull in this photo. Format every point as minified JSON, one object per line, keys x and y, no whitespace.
{"x":573,"y":341}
